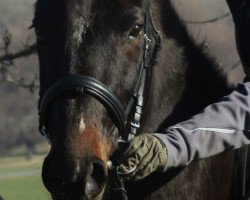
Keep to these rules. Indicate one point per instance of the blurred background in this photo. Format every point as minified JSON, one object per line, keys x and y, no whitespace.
{"x":22,"y":149}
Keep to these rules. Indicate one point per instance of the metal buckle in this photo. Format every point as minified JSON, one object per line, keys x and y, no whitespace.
{"x":147,"y":41}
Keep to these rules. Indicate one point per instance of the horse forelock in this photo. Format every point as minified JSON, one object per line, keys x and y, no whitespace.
{"x":78,"y":14}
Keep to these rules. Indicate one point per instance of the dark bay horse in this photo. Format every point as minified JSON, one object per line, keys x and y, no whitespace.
{"x":104,"y":40}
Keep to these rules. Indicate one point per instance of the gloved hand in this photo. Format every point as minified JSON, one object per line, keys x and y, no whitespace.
{"x":145,"y":154}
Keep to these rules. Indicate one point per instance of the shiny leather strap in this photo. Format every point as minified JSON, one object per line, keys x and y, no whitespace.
{"x":79,"y":84}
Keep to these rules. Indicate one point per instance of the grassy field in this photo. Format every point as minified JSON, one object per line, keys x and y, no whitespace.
{"x":20,"y":179}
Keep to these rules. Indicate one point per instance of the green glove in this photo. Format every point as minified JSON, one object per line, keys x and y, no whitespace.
{"x":145,"y":154}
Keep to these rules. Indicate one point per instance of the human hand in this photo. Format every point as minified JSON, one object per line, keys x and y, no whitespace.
{"x":145,"y":155}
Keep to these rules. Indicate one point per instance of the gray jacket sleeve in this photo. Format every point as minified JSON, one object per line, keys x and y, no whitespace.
{"x":221,"y":126}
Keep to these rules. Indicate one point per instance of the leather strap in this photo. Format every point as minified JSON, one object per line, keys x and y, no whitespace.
{"x":79,"y":84}
{"x":242,"y":172}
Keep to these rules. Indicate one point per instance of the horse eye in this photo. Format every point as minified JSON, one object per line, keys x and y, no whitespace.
{"x":136,"y":31}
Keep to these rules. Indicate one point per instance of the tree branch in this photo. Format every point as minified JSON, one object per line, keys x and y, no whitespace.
{"x":235,"y":65}
{"x":21,"y":83}
{"x":207,"y":21}
{"x":22,"y":53}
{"x":7,"y":59}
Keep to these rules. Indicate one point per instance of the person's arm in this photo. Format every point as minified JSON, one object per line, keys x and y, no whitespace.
{"x":221,"y":126}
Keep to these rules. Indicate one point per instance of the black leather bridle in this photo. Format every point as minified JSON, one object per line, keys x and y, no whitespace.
{"x":80,"y":84}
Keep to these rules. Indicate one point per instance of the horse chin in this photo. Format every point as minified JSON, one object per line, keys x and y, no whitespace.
{"x":88,"y":194}
{"x":80,"y":197}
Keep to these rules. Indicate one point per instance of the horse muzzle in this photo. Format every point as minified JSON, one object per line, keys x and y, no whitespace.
{"x":75,"y":178}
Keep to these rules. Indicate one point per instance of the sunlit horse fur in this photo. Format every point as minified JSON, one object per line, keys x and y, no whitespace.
{"x":91,"y":37}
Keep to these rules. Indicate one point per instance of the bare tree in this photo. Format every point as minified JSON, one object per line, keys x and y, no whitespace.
{"x":7,"y":58}
{"x":19,"y":128}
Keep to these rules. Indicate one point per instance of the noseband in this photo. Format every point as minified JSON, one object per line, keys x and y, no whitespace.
{"x":78,"y":85}
{"x":121,"y":117}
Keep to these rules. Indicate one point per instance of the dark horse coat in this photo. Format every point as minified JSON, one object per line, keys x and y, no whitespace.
{"x":93,"y":38}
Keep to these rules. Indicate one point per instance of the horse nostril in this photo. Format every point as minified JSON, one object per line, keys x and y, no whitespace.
{"x":96,"y":179}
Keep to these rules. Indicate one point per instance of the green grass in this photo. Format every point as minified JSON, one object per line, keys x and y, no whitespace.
{"x":23,"y":188}
{"x":20,"y":179}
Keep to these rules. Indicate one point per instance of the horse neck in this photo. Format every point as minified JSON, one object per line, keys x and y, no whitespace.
{"x":183,"y":76}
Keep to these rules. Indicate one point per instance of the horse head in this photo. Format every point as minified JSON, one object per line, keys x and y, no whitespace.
{"x":103,"y":44}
